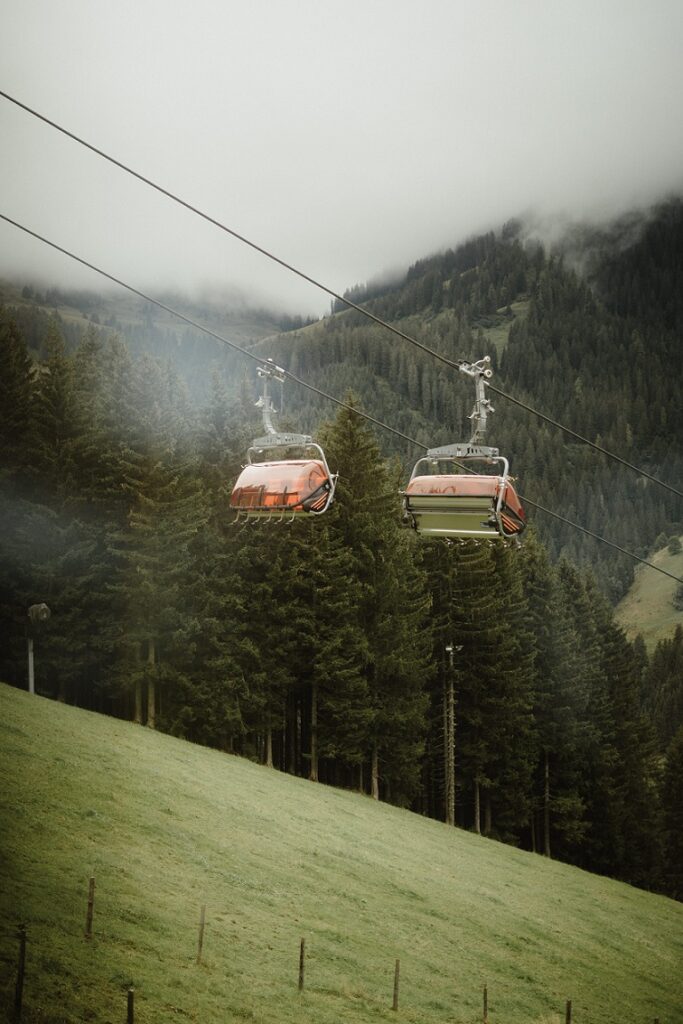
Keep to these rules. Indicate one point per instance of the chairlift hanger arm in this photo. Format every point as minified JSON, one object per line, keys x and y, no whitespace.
{"x":481,"y":372}
{"x":269,"y":371}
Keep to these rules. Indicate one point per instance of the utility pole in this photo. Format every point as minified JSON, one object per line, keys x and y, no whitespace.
{"x":449,"y":739}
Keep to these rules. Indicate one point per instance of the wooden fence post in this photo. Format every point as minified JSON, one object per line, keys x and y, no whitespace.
{"x":91,"y":907}
{"x":486,"y":1005}
{"x":19,"y":990}
{"x":397,"y":969}
{"x":302,"y":954}
{"x":568,"y":1014}
{"x":131,"y":1006}
{"x":202,"y":919}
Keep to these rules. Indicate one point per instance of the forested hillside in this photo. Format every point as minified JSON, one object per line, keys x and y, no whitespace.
{"x":321,"y":647}
{"x":598,"y":352}
{"x":145,"y":328}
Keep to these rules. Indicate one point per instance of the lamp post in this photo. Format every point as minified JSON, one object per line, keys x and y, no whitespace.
{"x":37,"y":614}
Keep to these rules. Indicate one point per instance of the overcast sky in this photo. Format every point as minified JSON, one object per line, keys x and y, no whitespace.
{"x":350,"y":138}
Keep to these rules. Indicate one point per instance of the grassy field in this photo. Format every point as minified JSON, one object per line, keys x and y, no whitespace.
{"x":647,"y":607}
{"x":498,"y":335}
{"x":165,"y":826}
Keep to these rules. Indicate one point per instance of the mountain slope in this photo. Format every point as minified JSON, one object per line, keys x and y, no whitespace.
{"x":145,"y":328}
{"x":588,"y":334}
{"x":593,"y":350}
{"x":166,"y":826}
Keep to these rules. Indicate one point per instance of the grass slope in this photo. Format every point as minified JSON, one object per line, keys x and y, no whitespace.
{"x":647,"y":607}
{"x":499,"y":332}
{"x":166,"y":826}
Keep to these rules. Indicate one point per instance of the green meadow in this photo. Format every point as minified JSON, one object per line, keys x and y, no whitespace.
{"x":166,"y":827}
{"x":648,"y":606}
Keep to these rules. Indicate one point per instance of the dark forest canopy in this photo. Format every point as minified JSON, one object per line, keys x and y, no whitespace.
{"x":321,"y":647}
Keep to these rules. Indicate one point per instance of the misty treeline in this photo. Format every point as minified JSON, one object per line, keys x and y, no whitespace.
{"x":322,"y":647}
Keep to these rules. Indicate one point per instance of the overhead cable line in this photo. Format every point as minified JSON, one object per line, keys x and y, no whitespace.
{"x":228,"y":230}
{"x":305,"y":384}
{"x":596,"y":536}
{"x":585,"y":440}
{"x":454,"y":364}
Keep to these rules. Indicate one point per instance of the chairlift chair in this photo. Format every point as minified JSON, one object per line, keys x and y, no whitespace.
{"x":282,"y":487}
{"x":465,"y":505}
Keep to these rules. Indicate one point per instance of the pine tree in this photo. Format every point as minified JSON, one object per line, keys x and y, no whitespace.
{"x":621,"y":776}
{"x":391,"y":609}
{"x":340,"y":706}
{"x":16,"y":402}
{"x":150,"y":550}
{"x":55,"y":415}
{"x":672,"y":800}
{"x":560,"y":699}
{"x":514,"y":742}
{"x":596,"y":755}
{"x":17,"y":446}
{"x":663,"y":687}
{"x":478,"y":611}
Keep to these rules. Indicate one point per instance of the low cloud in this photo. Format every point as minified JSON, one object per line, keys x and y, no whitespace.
{"x":345,"y":145}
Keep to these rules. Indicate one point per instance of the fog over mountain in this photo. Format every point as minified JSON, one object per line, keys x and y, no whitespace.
{"x":349,"y":140}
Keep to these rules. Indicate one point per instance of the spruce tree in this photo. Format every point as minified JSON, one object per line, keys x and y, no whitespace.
{"x":560,"y":698}
{"x":17,"y":447}
{"x":672,"y":800}
{"x":150,"y":550}
{"x":391,"y":606}
{"x":663,"y":687}
{"x":17,"y":390}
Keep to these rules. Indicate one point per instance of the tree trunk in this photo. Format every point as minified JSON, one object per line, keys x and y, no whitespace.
{"x":450,"y":749}
{"x":151,"y":687}
{"x":31,"y":675}
{"x":446,"y":801}
{"x":375,"y":773}
{"x":137,"y":714}
{"x":291,"y":734}
{"x":488,"y":822}
{"x":269,"y":746}
{"x":313,"y":774}
{"x":533,"y":831}
{"x":477,"y":808}
{"x":361,"y":779}
{"x":546,"y":805}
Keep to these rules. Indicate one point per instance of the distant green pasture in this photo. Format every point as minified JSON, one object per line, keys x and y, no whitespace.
{"x":499,"y":332}
{"x":647,"y":608}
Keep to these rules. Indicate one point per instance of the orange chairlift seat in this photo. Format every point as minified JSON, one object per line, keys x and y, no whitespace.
{"x":289,"y":486}
{"x":282,"y":486}
{"x":464,"y":505}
